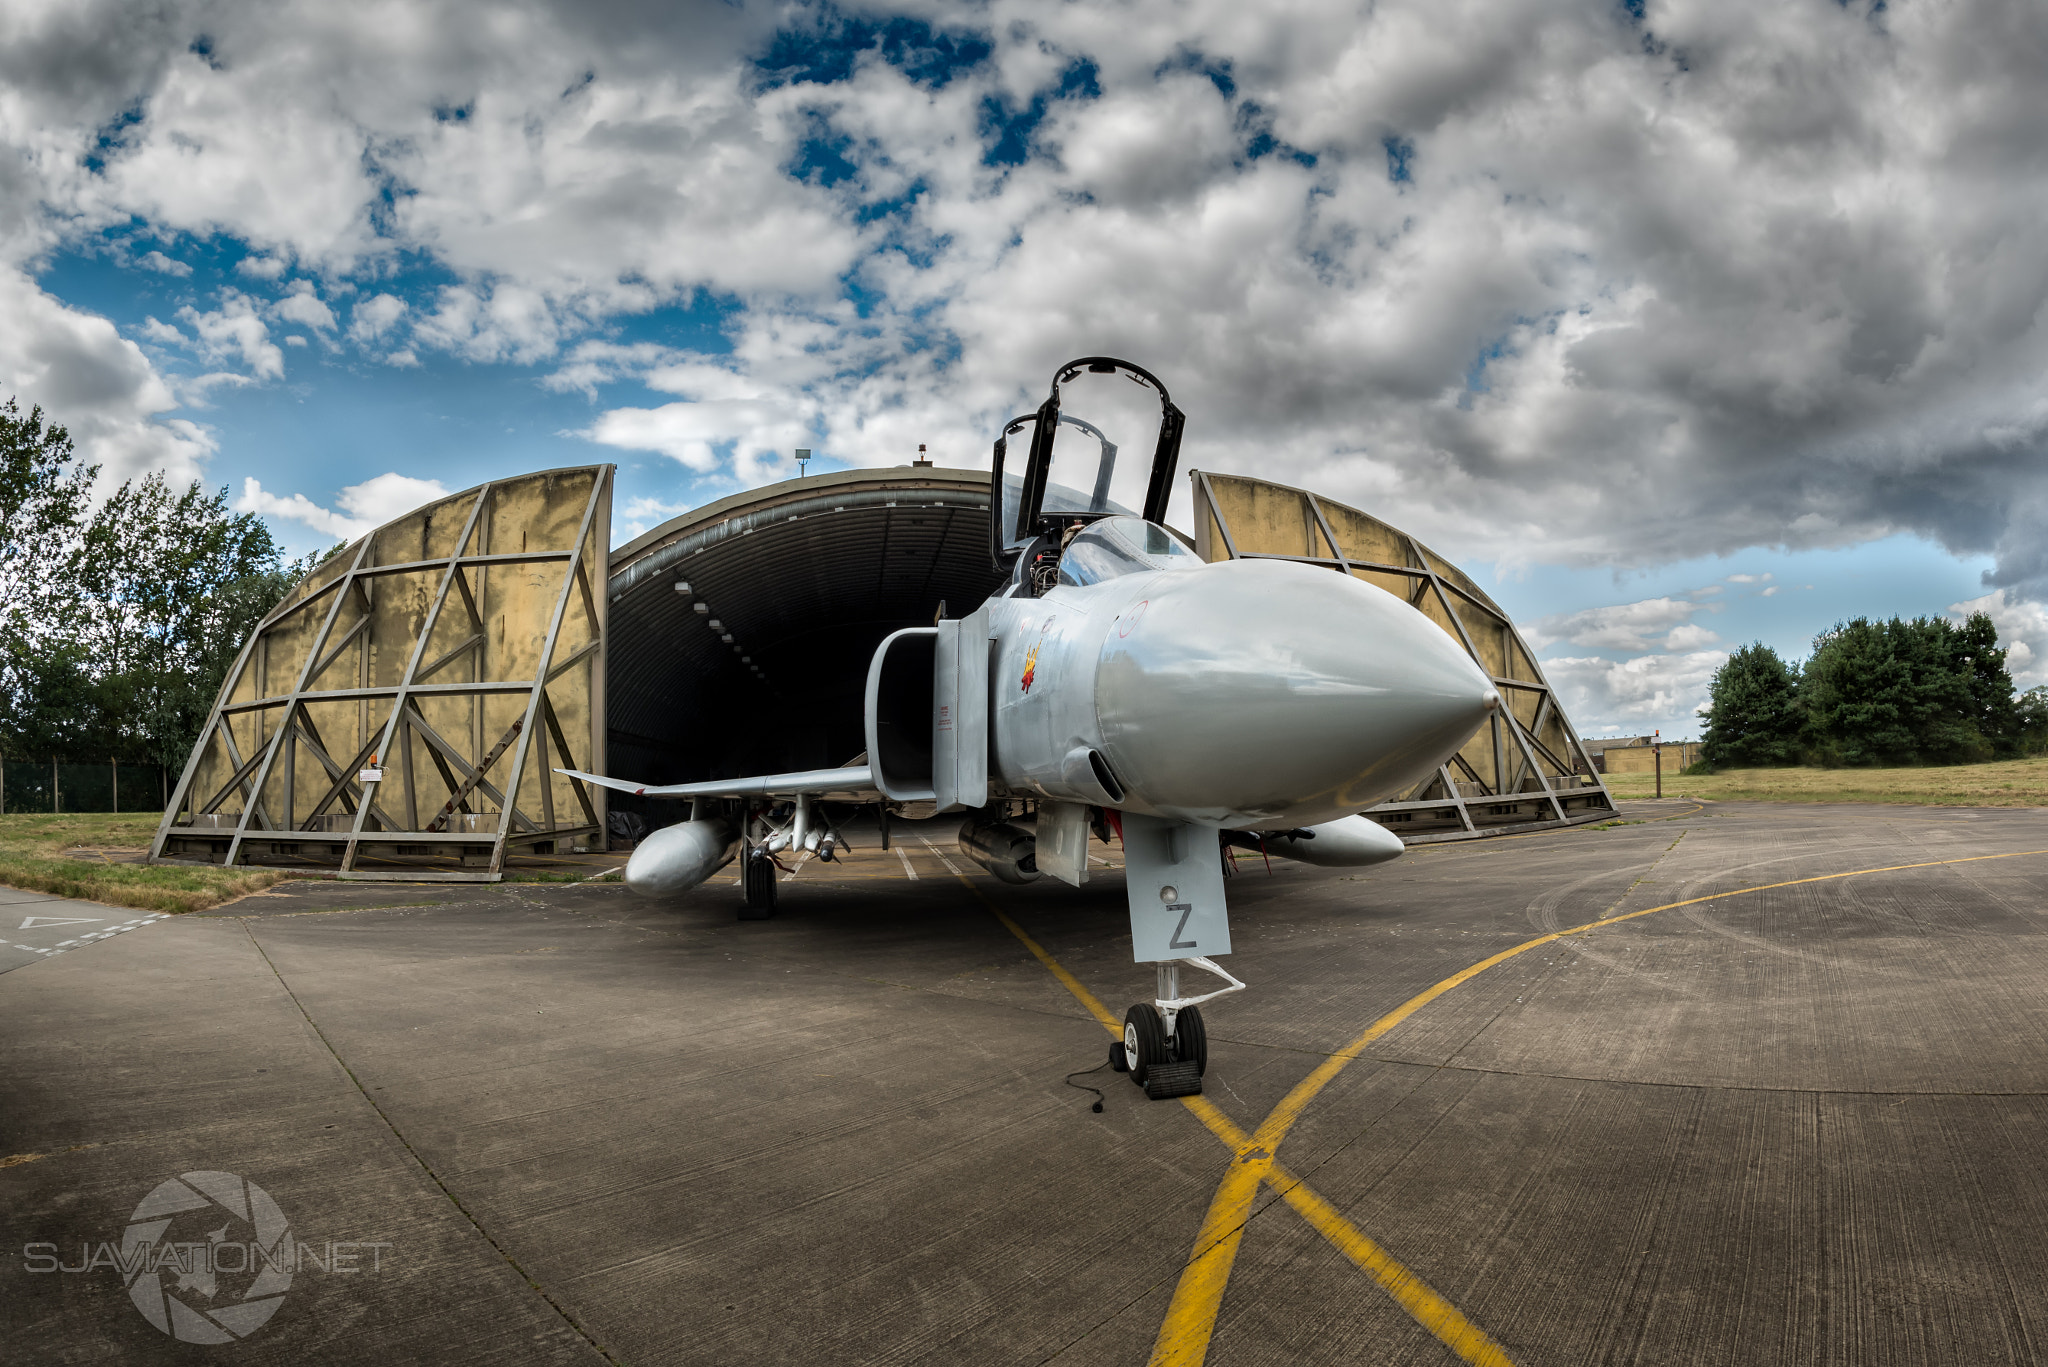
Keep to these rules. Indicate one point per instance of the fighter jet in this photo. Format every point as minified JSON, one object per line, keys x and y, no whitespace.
{"x":1118,"y":684}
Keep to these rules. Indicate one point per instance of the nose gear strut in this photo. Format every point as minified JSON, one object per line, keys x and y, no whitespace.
{"x":1165,"y":1047}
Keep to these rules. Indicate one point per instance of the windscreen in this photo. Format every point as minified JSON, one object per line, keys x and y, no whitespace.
{"x":1122,"y":545}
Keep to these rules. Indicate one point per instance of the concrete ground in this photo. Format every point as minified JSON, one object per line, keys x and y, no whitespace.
{"x":1802,"y":1122}
{"x":35,"y":925}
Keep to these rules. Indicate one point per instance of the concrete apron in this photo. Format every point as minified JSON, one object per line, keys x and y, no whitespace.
{"x":535,"y":1123}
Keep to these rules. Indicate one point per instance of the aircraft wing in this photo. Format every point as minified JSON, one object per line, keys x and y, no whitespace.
{"x":858,"y":779}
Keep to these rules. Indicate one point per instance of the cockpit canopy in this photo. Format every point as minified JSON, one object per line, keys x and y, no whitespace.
{"x":1122,"y":545}
{"x":1072,"y":470}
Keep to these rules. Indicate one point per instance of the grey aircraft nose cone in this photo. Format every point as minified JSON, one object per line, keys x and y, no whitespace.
{"x":1280,"y":691}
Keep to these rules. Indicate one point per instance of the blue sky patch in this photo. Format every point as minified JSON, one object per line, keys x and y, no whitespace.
{"x":1400,"y":159}
{"x":1008,"y":133}
{"x":828,"y":51}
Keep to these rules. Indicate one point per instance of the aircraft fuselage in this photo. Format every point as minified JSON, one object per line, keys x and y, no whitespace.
{"x":1243,"y":694}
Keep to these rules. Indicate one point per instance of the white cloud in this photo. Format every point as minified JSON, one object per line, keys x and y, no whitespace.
{"x":98,"y":384}
{"x":749,"y":434}
{"x":1662,"y":691}
{"x":1557,"y":284}
{"x":164,"y":334}
{"x":1764,"y":578}
{"x":374,"y":317}
{"x":1691,"y":636}
{"x":366,"y":506}
{"x":2022,"y":630}
{"x":591,"y":364}
{"x":235,"y":329}
{"x":1624,"y":626}
{"x":163,"y":265}
{"x":639,"y":514}
{"x":302,"y":305}
{"x":262,"y":267}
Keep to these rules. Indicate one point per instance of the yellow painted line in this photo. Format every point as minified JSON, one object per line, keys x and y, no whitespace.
{"x":1216,"y":1244}
{"x":1053,"y":966}
{"x":1426,"y":1307}
{"x":1191,"y":1317}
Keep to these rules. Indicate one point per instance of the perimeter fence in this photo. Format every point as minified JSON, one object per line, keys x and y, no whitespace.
{"x":28,"y":785}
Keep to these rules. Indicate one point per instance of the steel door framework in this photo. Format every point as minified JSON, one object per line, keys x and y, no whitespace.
{"x":1527,"y":768}
{"x":528,"y":620}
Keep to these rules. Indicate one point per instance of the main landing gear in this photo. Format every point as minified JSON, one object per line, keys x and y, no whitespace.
{"x":758,"y":878}
{"x":1165,"y":1047}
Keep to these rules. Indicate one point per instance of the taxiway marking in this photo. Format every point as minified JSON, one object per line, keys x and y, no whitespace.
{"x":1409,"y":1291}
{"x":904,"y":855}
{"x":1191,"y":1317}
{"x":78,"y":941}
{"x":951,"y":868}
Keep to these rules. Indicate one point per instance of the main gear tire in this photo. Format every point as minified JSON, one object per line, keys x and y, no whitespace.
{"x":758,"y":880}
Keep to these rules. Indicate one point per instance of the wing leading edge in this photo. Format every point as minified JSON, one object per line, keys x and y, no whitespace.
{"x":804,"y":781}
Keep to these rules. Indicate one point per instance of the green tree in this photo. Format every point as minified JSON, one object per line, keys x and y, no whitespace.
{"x":44,"y":491}
{"x":2030,"y":721}
{"x":1894,"y":692}
{"x":117,"y":624}
{"x":178,"y":582}
{"x":1753,"y":717}
{"x":1975,"y":650}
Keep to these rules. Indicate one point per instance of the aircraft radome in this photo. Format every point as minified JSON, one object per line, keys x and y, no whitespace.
{"x":1119,"y":683}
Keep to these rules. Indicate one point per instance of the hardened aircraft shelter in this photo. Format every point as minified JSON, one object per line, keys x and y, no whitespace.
{"x":401,"y":713}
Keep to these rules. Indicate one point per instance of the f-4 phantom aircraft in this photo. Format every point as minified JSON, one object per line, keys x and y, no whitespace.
{"x":1119,"y":682}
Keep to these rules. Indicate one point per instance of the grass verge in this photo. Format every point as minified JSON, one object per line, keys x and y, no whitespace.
{"x":2004,"y":783}
{"x":33,"y":856}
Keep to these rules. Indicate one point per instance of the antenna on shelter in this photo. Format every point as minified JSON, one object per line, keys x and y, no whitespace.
{"x":923,"y":461}
{"x":803,"y":456}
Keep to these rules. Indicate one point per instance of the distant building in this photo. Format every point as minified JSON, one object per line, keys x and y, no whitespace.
{"x":1638,"y":754}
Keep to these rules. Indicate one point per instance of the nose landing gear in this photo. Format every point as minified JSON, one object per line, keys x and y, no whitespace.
{"x":1165,"y":1047}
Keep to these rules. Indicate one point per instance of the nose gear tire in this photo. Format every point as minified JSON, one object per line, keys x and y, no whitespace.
{"x":1144,"y":1040}
{"x":1191,"y":1039}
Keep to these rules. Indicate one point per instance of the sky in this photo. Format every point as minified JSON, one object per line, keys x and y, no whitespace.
{"x":1679,"y":325}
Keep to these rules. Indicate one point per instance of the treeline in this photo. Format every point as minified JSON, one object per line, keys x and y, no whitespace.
{"x":117,"y":621}
{"x":1924,"y":691}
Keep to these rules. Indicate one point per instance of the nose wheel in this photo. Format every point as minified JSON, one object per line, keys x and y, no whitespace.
{"x":1165,"y":1047}
{"x":1164,"y":1065}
